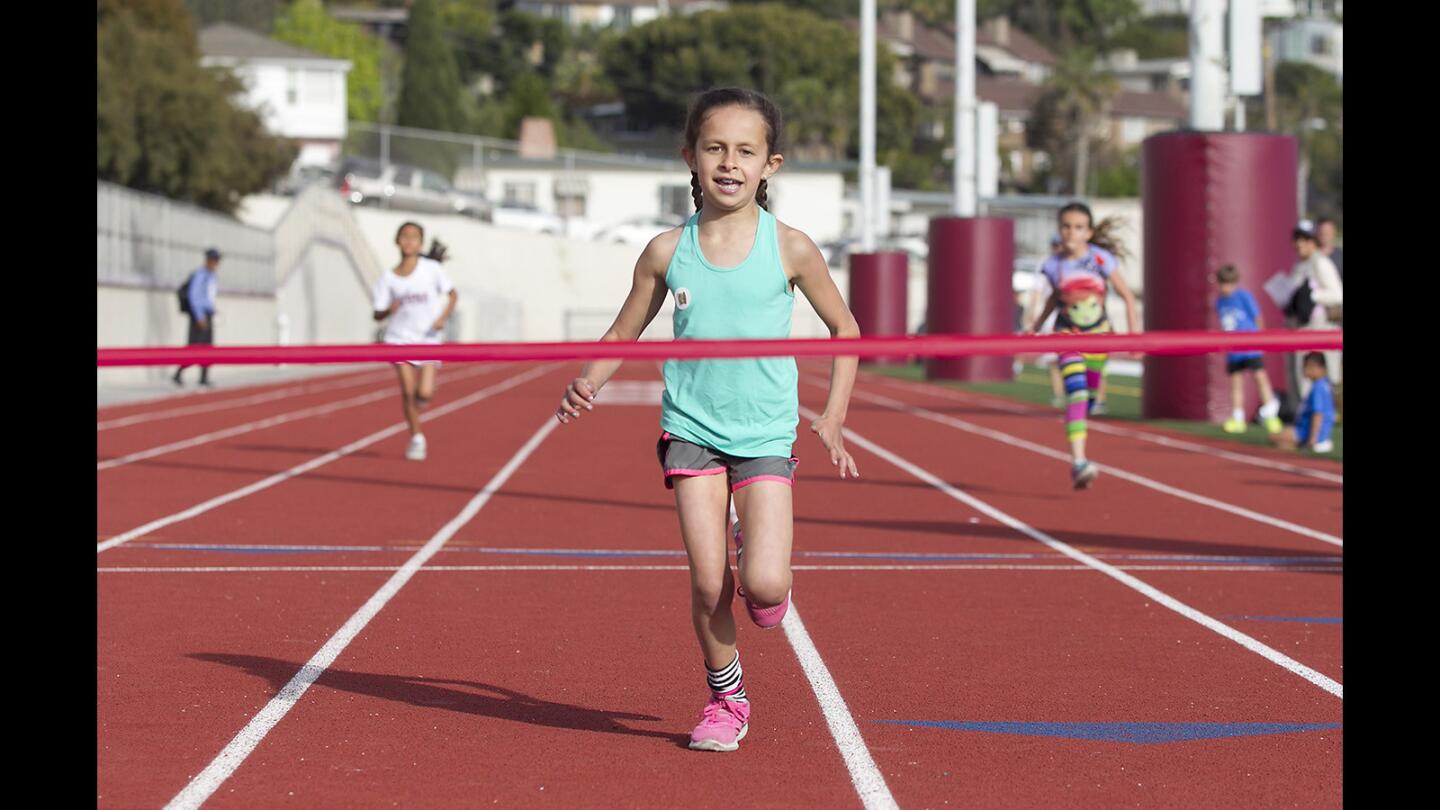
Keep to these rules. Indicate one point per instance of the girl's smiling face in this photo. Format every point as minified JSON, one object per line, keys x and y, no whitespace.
{"x":731,"y":155}
{"x":410,"y":240}
{"x":1075,"y":232}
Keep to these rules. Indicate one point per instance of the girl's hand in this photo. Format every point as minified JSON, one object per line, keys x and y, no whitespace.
{"x":580,"y":393}
{"x":438,"y":326}
{"x":828,"y":429}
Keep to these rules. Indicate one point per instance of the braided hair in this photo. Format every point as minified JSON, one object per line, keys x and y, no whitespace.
{"x":712,"y":99}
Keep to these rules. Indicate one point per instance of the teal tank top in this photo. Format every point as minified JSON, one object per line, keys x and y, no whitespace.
{"x":746,"y":407}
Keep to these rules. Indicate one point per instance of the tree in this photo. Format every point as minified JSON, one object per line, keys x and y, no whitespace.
{"x":1075,"y":98}
{"x":658,"y":67}
{"x":164,"y":124}
{"x":1311,"y":106}
{"x":1062,"y":24}
{"x":430,"y":82}
{"x":306,"y":24}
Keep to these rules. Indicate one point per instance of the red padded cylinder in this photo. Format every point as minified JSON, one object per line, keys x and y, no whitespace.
{"x":970,"y":291}
{"x":1211,"y":199}
{"x":878,"y":295}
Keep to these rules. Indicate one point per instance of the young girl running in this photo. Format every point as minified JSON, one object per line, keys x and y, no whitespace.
{"x":727,"y":425}
{"x":418,"y":298}
{"x":1079,"y":273}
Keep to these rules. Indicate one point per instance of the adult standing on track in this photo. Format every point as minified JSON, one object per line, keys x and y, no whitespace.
{"x":418,"y":298}
{"x":1080,"y":273}
{"x":200,"y":292}
{"x":728,"y":426}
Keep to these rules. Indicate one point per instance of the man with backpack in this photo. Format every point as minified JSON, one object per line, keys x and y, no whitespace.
{"x":197,"y":299}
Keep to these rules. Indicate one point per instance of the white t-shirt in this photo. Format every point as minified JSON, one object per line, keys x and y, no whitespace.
{"x":422,"y":297}
{"x":1326,"y":289}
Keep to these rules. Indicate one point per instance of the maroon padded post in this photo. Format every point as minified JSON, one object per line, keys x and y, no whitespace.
{"x":1211,"y":199}
{"x":878,"y":297}
{"x":971,"y":291}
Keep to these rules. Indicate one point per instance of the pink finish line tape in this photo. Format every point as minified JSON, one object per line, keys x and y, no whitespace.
{"x":1168,"y":343}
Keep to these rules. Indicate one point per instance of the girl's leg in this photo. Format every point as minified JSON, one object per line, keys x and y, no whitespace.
{"x":408,"y":382}
{"x":1077,"y":392}
{"x":1269,"y":405}
{"x":703,"y":504}
{"x":766,"y":511}
{"x":1057,"y":386}
{"x":1095,"y":378}
{"x":425,"y":388}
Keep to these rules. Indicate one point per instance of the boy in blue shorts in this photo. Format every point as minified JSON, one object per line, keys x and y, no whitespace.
{"x":1239,"y":313}
{"x":1317,"y":414}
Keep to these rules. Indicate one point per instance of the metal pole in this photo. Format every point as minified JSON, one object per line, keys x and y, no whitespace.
{"x":867,"y":126}
{"x":1207,"y":74}
{"x":965,"y":108}
{"x":384,"y":145}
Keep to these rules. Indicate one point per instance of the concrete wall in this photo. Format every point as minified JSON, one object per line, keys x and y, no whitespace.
{"x":137,"y":317}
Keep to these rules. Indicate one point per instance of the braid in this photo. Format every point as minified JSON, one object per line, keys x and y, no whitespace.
{"x":695,"y":190}
{"x":761,"y":196}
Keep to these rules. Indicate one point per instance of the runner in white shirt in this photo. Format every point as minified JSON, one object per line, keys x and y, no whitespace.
{"x":418,"y":298}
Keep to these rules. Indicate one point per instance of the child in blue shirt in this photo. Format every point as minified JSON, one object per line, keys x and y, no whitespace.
{"x":1317,"y":414}
{"x":1238,"y":312}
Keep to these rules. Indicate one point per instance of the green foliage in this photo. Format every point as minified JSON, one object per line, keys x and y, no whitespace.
{"x":468,"y":29}
{"x":529,"y":96}
{"x":306,"y":24}
{"x":1310,"y":105}
{"x":829,"y":9}
{"x":430,"y":82}
{"x":164,"y":124}
{"x":523,"y":44}
{"x":790,"y":55}
{"x":1161,"y":37}
{"x":257,"y":15}
{"x":1063,"y":24}
{"x":1119,"y":174}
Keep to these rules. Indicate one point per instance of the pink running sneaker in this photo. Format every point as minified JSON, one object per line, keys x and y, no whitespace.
{"x":723,"y":724}
{"x":765,"y":618}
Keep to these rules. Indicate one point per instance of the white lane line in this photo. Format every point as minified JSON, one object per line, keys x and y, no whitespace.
{"x":1249,"y":643}
{"x":869,"y":783}
{"x":259,"y":424}
{"x":864,"y":775}
{"x":232,"y":569}
{"x":151,"y":416}
{"x":1107,"y":427}
{"x":318,"y":461}
{"x":1105,"y":468}
{"x":209,"y":780}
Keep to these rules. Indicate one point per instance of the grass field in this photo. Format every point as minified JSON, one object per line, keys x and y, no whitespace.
{"x":1122,"y":402}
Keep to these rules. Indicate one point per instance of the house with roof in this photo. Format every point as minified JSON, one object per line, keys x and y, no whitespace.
{"x":1011,"y":69}
{"x":299,"y":94}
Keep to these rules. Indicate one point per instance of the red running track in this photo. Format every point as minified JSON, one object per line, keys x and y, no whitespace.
{"x":480,"y":682}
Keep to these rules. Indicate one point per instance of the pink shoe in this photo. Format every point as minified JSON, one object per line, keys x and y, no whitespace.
{"x":723,"y":724}
{"x":766,"y":618}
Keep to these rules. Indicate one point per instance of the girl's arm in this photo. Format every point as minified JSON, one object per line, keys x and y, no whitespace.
{"x":807,"y":270}
{"x":449,"y":308}
{"x":647,"y":294}
{"x":1049,"y":308}
{"x":1132,"y":320}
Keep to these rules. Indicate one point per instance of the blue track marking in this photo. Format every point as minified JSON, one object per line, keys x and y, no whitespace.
{"x":1141,"y":733}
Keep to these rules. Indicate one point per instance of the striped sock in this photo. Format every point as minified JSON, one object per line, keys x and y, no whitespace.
{"x":728,"y":682}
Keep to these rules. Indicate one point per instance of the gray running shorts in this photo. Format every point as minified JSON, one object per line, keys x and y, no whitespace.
{"x":681,"y":458}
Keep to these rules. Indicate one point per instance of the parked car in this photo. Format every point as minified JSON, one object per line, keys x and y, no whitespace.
{"x":303,"y":175}
{"x":397,"y":185}
{"x":529,"y":218}
{"x":638,"y":231}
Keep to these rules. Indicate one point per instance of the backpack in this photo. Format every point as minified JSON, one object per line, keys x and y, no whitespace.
{"x":183,"y":293}
{"x":1301,"y":303}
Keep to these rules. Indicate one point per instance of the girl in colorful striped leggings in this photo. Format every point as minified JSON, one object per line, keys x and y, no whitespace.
{"x":1080,"y":274}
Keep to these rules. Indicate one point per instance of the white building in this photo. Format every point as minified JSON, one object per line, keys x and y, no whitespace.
{"x":298,"y":93}
{"x":810,"y":198}
{"x":1317,"y":42}
{"x":605,"y":13}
